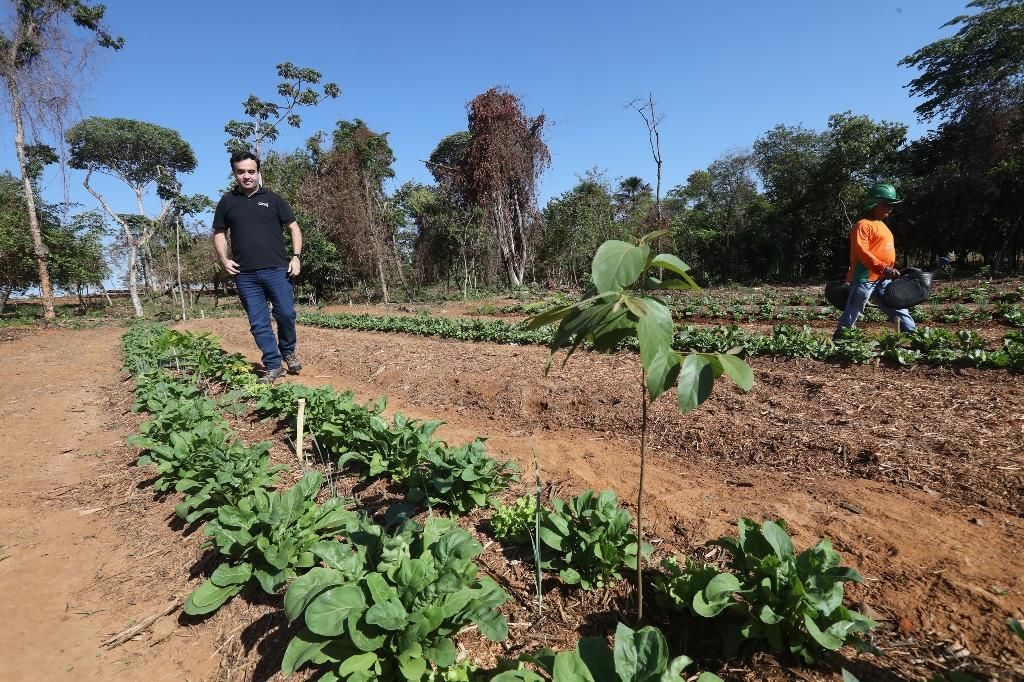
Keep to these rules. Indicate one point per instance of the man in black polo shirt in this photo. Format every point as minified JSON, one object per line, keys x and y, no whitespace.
{"x":255,"y":217}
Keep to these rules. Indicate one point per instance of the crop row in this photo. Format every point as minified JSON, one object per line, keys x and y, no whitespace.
{"x":1004,"y":313}
{"x":383,"y":601}
{"x":724,"y":303}
{"x":964,"y":348}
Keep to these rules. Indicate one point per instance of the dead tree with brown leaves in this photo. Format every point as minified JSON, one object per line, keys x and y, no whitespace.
{"x":505,"y":158}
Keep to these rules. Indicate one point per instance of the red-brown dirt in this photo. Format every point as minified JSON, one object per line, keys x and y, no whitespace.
{"x":917,"y":476}
{"x":69,"y":575}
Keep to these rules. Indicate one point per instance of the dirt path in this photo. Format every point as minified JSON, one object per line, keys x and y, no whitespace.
{"x":922,"y":495}
{"x":68,"y":577}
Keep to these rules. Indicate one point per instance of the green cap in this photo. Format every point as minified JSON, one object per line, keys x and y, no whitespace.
{"x":882,"y":192}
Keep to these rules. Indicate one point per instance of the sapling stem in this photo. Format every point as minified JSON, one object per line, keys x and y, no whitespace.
{"x":535,"y":540}
{"x":640,"y":499}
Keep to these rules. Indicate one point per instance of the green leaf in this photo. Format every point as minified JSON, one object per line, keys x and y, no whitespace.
{"x":696,"y":379}
{"x":227,"y":575}
{"x":716,"y":595}
{"x":617,"y":265}
{"x":366,"y":637}
{"x":598,"y":657}
{"x":670,"y":262}
{"x":737,"y":369}
{"x":442,"y":653}
{"x":653,"y":330}
{"x":848,"y":676}
{"x":662,"y":372}
{"x":569,"y":667}
{"x":675,"y":668}
{"x":357,"y":664}
{"x":570,"y":576}
{"x":412,"y":667}
{"x":307,"y":587}
{"x":548,"y":317}
{"x":207,"y":598}
{"x":1015,"y":627}
{"x":328,"y":613}
{"x":303,"y":648}
{"x":390,"y":615}
{"x":493,"y":625}
{"x":640,"y":655}
{"x":779,"y":540}
{"x":651,"y":236}
{"x":824,"y":638}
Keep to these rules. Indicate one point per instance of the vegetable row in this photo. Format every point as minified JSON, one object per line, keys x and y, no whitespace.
{"x":965,"y":348}
{"x":384,"y":599}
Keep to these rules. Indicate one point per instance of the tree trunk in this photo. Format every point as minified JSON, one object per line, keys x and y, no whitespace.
{"x":177,"y":258}
{"x":401,"y":270}
{"x":4,"y":298}
{"x":133,"y":246}
{"x":42,"y":253}
{"x":133,"y":276}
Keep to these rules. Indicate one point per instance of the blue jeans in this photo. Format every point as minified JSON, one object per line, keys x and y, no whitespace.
{"x":257,"y":287}
{"x":860,"y":293}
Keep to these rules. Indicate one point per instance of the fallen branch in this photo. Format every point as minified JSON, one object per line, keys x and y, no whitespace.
{"x":143,"y":625}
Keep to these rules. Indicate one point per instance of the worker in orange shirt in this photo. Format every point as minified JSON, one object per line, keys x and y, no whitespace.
{"x":873,"y":261}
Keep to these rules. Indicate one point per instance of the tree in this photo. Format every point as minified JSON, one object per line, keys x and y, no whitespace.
{"x":454,"y":218}
{"x":971,"y":68}
{"x":346,"y":195}
{"x":298,"y":88}
{"x":634,"y":201}
{"x":77,"y":252}
{"x":323,"y":265}
{"x":575,"y":224}
{"x":967,"y":175}
{"x":141,"y":155}
{"x":30,"y":49}
{"x":505,"y":158}
{"x":652,"y":120}
{"x":815,"y":182}
{"x":719,"y":230}
{"x":18,"y":266}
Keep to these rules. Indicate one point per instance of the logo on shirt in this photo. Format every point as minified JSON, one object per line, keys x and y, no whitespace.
{"x":263,"y":203}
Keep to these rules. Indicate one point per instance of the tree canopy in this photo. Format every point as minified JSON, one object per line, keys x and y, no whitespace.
{"x":136,"y":152}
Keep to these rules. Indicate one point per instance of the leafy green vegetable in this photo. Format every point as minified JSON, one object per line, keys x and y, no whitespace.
{"x":588,"y":539}
{"x":513,"y":523}
{"x":461,"y":478}
{"x":268,"y":538}
{"x":772,"y":596}
{"x":638,"y":656}
{"x":386,"y":607}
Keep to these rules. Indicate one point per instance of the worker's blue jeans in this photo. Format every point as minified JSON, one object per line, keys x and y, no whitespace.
{"x":860,"y":294}
{"x":255,"y":289}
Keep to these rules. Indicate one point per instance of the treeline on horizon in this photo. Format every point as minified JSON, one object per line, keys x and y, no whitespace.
{"x":778,"y":211}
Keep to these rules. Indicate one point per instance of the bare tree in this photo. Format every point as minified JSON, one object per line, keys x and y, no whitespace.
{"x":652,"y":120}
{"x":38,"y":60}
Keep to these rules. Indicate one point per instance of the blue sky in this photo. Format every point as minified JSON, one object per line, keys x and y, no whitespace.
{"x":722,"y":73}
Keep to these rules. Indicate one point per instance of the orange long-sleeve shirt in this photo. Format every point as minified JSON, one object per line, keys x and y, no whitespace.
{"x":872,"y":249}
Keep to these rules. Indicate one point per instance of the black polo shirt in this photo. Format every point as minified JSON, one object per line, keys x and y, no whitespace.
{"x":255,"y":224}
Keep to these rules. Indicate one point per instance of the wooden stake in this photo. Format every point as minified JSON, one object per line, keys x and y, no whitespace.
{"x":299,"y":423}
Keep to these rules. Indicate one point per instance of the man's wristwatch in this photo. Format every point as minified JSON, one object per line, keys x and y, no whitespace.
{"x":297,"y":255}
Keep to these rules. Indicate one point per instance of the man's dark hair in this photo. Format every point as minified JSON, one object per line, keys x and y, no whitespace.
{"x":244,"y":156}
